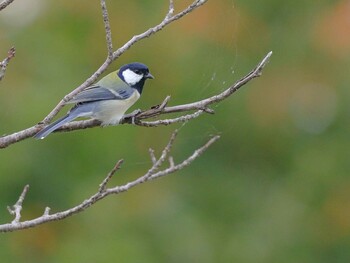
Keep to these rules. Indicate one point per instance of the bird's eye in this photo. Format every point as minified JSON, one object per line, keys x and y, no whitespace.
{"x":137,"y":71}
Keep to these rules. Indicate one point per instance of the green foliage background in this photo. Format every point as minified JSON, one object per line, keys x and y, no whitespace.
{"x":275,"y":188}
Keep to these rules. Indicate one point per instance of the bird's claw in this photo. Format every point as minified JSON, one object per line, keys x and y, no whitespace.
{"x":135,"y":112}
{"x":132,"y":115}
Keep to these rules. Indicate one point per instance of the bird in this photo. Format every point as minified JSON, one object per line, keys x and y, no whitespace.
{"x":107,"y":100}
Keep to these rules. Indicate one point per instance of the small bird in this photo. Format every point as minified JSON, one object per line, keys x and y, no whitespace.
{"x":108,"y":99}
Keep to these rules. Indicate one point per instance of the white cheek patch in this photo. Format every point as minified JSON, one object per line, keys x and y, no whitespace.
{"x":130,"y":77}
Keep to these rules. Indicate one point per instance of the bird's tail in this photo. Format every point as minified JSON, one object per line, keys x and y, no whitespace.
{"x":54,"y":126}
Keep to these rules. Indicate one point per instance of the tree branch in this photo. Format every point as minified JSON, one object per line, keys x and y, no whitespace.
{"x":199,"y":107}
{"x":107,"y":29}
{"x":103,"y":191}
{"x":3,"y":64}
{"x":5,"y":3}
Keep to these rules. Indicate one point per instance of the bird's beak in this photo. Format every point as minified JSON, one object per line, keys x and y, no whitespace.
{"x":149,"y":76}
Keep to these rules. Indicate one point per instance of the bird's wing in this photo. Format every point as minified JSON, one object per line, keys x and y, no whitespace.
{"x":97,"y":93}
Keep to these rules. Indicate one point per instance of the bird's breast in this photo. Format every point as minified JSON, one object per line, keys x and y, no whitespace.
{"x":109,"y":112}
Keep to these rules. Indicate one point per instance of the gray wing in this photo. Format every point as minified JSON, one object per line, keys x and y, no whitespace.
{"x":97,"y":93}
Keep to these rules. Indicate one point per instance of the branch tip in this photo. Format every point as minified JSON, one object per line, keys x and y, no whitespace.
{"x":164,"y":103}
{"x":153,"y":157}
{"x":209,"y":110}
{"x":265,"y":60}
{"x":3,"y":64}
{"x":47,"y":211}
{"x":103,"y":185}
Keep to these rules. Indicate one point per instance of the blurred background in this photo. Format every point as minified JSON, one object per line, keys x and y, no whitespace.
{"x":274,"y":188}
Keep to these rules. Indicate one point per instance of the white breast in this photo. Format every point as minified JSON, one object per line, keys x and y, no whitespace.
{"x":111,"y":111}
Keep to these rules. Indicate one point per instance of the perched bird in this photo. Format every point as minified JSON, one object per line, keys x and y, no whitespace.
{"x":108,"y":99}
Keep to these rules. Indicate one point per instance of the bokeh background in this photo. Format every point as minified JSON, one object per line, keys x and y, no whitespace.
{"x":275,"y":188}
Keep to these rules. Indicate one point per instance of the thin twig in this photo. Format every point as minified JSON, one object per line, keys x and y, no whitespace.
{"x":164,"y":103}
{"x":166,"y":122}
{"x":186,"y":162}
{"x":3,"y":64}
{"x":107,"y":29}
{"x":163,"y":156}
{"x":153,"y":157}
{"x":171,"y":162}
{"x":104,"y":183}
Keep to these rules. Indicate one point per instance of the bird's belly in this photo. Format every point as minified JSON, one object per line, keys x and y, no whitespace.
{"x":110,"y":112}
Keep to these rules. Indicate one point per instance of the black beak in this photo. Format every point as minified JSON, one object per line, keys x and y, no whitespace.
{"x":149,"y":76}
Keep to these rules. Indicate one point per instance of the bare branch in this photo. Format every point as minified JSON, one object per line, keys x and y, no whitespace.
{"x":199,"y":106}
{"x":107,"y":29}
{"x":186,"y":162}
{"x":166,"y":122}
{"x":171,"y":10}
{"x":17,"y":208}
{"x":7,"y":140}
{"x":164,"y":103}
{"x":5,"y":3}
{"x":171,"y":162}
{"x":103,"y":191}
{"x":217,"y":98}
{"x":153,"y":157}
{"x":163,"y":156}
{"x":167,"y":20}
{"x":3,"y":64}
{"x":104,"y":183}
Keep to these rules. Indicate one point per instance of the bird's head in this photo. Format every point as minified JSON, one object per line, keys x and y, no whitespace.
{"x":135,"y":74}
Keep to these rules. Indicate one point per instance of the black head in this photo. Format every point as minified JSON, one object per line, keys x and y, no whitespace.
{"x":135,"y":74}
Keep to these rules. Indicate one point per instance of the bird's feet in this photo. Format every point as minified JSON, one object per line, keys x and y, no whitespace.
{"x":132,"y":115}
